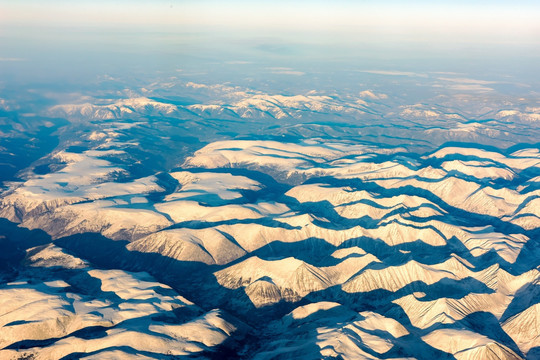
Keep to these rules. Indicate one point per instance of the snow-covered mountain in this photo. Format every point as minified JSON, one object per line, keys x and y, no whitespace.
{"x":90,"y":313}
{"x":243,"y":224}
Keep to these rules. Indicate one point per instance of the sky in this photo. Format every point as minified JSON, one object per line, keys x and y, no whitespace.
{"x":496,"y":21}
{"x":55,"y":37}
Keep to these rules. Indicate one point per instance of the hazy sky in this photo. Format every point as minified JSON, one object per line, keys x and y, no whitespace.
{"x":496,"y":21}
{"x":49,"y":38}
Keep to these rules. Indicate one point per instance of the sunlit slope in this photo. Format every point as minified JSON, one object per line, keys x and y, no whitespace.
{"x":409,"y":249}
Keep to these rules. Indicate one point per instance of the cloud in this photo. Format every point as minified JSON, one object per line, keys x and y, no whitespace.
{"x":467,"y":81}
{"x":470,"y":87}
{"x":289,"y":72}
{"x":393,"y":73}
{"x":285,"y":71}
{"x":445,"y":73}
{"x":12,"y":59}
{"x":466,"y":84}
